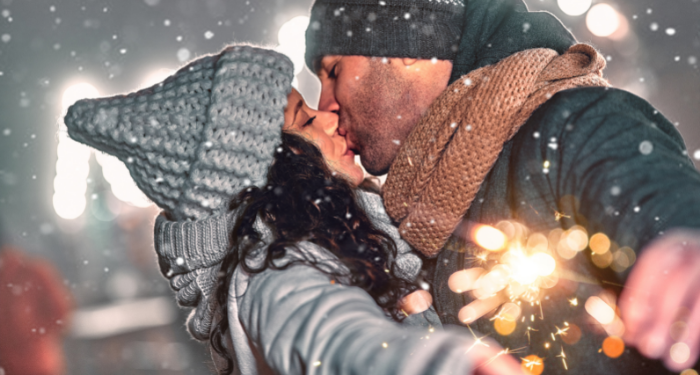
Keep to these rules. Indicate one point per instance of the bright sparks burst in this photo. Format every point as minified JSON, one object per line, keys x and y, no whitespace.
{"x":563,"y":358}
{"x":511,"y":271}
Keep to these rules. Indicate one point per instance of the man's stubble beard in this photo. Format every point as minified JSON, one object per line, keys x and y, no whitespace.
{"x":375,"y":123}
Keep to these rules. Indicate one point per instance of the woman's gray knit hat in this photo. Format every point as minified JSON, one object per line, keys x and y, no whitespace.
{"x":386,"y":28}
{"x":196,"y":139}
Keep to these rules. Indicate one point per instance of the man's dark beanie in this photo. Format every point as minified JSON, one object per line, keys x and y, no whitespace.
{"x":387,"y":28}
{"x":471,"y":33}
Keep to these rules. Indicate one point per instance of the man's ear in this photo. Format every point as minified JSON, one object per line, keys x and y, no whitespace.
{"x":408,"y":61}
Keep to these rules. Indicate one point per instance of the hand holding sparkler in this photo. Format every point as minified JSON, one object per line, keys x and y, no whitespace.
{"x":521,"y":270}
{"x":660,"y":305}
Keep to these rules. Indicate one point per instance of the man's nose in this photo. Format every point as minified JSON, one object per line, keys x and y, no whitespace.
{"x":327,"y":101}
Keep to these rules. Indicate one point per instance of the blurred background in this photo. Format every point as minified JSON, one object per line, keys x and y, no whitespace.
{"x":78,"y":214}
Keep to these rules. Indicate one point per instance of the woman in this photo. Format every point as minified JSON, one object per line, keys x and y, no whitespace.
{"x":300,"y":274}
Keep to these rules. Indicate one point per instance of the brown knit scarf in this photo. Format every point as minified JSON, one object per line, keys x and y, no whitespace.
{"x":444,"y":160}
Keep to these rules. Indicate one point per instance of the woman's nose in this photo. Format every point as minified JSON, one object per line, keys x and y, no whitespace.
{"x":326,"y":121}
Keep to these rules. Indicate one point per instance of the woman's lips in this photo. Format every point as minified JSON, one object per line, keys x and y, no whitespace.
{"x":349,"y":153}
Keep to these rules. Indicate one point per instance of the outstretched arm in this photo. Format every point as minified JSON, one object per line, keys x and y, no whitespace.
{"x":628,"y":167}
{"x":301,"y":323}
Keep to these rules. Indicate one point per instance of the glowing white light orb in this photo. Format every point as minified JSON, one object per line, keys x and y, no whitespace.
{"x":544,"y":264}
{"x":292,"y":40}
{"x":680,"y":352}
{"x":77,"y":92}
{"x":602,"y":20}
{"x":490,"y":238}
{"x":574,"y":7}
{"x":525,"y":272}
{"x":72,"y":167}
{"x":69,"y":209}
{"x":156,"y":76}
{"x":123,"y":186}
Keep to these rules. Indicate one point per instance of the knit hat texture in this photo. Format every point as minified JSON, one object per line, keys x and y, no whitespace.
{"x":387,"y":28}
{"x":196,"y":139}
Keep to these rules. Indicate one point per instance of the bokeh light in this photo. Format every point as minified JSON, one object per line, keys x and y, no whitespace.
{"x":504,"y":327}
{"x":572,"y":335}
{"x":490,"y":238}
{"x":599,"y":243}
{"x":574,"y":7}
{"x":291,"y":38}
{"x":532,"y":365}
{"x":123,"y":186}
{"x":613,"y":346}
{"x":680,"y":352}
{"x":72,"y":168}
{"x":602,"y":20}
{"x":544,"y":264}
{"x":156,"y":76}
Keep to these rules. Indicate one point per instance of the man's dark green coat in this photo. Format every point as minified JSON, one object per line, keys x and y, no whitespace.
{"x":616,"y":165}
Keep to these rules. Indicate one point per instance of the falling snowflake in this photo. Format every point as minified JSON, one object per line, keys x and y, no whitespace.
{"x":208,"y":35}
{"x":646,"y":147}
{"x":654,"y":26}
{"x":696,"y":155}
{"x":670,"y":31}
{"x":183,"y":54}
{"x":615,"y":191}
{"x":5,"y":38}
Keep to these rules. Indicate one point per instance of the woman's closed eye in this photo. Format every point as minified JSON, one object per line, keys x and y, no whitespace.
{"x":309,"y":122}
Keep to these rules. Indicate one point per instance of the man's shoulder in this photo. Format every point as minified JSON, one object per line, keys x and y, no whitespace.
{"x":588,"y":102}
{"x":586,"y":112}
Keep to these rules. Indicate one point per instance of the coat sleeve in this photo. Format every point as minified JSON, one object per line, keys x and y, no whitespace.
{"x":615,"y":164}
{"x":302,"y":323}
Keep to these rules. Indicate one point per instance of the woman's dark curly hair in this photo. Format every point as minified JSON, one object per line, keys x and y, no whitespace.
{"x":305,"y":201}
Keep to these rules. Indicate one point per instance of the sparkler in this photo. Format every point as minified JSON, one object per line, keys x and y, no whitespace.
{"x":513,"y":267}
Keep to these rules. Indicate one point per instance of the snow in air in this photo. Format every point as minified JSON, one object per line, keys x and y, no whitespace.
{"x":183,"y":54}
{"x":646,"y":147}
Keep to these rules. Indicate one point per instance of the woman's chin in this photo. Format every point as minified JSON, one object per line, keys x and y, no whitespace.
{"x":352,"y":173}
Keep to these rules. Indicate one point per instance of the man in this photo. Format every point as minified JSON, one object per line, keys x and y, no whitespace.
{"x":583,"y":154}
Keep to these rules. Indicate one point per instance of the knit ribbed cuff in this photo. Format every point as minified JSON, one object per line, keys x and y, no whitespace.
{"x":184,"y":246}
{"x":391,"y":28}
